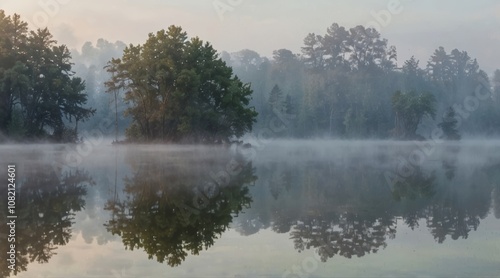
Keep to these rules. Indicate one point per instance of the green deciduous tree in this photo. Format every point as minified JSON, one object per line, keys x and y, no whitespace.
{"x":409,"y":109}
{"x":277,"y":99}
{"x":449,"y":125}
{"x":179,"y":90}
{"x":38,"y":91}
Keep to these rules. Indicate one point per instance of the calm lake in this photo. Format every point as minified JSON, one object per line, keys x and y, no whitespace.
{"x":277,"y":209}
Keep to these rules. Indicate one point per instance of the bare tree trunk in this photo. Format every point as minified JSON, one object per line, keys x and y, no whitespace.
{"x":116,"y":116}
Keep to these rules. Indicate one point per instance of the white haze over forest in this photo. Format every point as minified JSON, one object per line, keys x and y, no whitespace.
{"x":415,"y":27}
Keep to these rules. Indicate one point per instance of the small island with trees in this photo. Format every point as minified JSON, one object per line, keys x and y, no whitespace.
{"x":178,"y":89}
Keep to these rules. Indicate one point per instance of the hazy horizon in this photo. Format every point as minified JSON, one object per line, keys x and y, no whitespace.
{"x":415,"y":28}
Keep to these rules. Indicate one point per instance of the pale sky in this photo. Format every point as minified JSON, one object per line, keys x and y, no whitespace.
{"x":414,"y":27}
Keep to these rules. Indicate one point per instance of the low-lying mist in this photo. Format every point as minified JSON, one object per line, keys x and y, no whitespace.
{"x":377,"y":153}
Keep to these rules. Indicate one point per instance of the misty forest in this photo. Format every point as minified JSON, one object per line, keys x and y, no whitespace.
{"x":346,"y":83}
{"x":171,"y":157}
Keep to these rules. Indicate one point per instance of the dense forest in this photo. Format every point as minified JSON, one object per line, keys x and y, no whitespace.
{"x":346,"y":83}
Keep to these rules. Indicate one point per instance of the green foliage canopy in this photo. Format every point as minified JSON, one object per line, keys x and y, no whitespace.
{"x":179,"y":90}
{"x":39,"y":94}
{"x":410,"y":108}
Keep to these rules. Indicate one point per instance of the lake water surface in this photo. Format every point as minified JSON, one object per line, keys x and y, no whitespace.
{"x":280,"y":209}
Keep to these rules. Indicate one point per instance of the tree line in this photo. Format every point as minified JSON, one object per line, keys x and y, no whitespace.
{"x":40,"y":96}
{"x":345,"y":83}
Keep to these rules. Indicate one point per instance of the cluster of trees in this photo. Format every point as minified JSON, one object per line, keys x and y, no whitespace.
{"x":175,"y":89}
{"x":409,"y":109}
{"x":345,"y":84}
{"x":179,"y":90}
{"x":39,"y":95}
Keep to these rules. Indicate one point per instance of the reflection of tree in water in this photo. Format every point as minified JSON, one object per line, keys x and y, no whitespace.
{"x":349,"y":210}
{"x":456,"y":222}
{"x":450,"y":161}
{"x":493,"y":173}
{"x":415,"y":186}
{"x":159,"y":213}
{"x":277,"y":179}
{"x":457,"y":210}
{"x":496,"y":201}
{"x":334,"y":210}
{"x":46,"y":205}
{"x":347,"y":235}
{"x":282,"y":221}
{"x":450,"y":206}
{"x":346,"y":212}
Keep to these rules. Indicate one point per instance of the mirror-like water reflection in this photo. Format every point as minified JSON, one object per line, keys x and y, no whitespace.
{"x":172,"y":209}
{"x":323,"y":208}
{"x":46,"y":204}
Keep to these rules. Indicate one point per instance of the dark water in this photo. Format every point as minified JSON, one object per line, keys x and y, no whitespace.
{"x":280,"y":209}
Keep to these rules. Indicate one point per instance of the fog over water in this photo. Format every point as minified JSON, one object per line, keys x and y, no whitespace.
{"x":339,"y":208}
{"x":240,"y":139}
